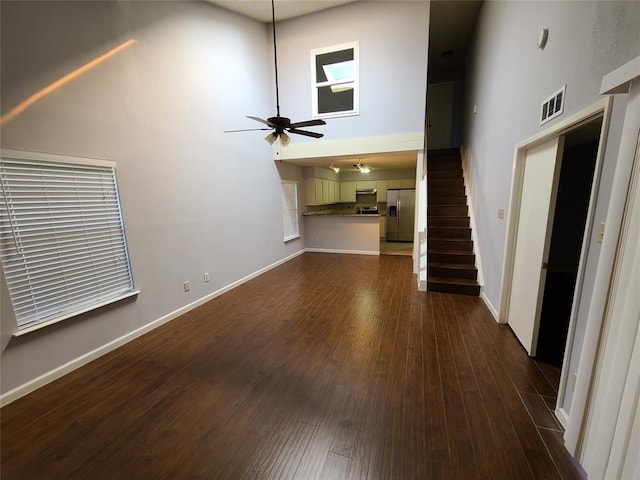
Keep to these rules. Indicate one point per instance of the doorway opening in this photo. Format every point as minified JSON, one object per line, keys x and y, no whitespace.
{"x":532,"y":206}
{"x":566,"y":242}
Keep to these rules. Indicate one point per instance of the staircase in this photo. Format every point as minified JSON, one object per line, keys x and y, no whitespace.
{"x":451,"y":261}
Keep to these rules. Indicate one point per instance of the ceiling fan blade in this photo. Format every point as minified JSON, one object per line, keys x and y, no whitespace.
{"x":306,"y":133}
{"x":257,"y":119}
{"x":246,"y":130}
{"x":308,"y":123}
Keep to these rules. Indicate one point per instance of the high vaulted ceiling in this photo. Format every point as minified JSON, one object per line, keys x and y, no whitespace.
{"x":261,"y":9}
{"x":451,"y":28}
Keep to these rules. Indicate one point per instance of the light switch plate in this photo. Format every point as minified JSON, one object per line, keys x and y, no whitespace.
{"x":501,"y":213}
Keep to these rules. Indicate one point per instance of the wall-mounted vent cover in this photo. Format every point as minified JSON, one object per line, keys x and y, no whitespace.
{"x":553,"y":106}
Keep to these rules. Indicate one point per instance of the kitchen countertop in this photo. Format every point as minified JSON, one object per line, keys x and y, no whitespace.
{"x":337,"y":214}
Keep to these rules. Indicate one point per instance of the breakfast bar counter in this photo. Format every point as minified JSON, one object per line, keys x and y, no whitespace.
{"x":343,"y":233}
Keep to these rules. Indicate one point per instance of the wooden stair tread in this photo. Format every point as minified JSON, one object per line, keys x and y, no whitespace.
{"x":450,"y":252}
{"x":454,"y":281}
{"x":450,"y":239}
{"x":453,"y":266}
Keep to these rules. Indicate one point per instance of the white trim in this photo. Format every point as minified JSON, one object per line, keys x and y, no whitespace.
{"x":600,"y":108}
{"x":37,"y":326}
{"x":311,"y":151}
{"x":586,"y":240}
{"x":562,"y":416}
{"x":604,"y":269}
{"x":347,"y":252}
{"x":472,"y":225}
{"x":619,"y":81}
{"x":78,"y":362}
{"x":50,"y":157}
{"x":492,"y":309}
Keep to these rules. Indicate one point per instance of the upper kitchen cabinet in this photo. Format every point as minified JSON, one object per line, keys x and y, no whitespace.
{"x":348,"y":191}
{"x":408,"y":183}
{"x":381,"y":186}
{"x":318,"y":191}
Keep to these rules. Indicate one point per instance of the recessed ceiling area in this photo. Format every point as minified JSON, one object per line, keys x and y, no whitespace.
{"x":378,"y":161}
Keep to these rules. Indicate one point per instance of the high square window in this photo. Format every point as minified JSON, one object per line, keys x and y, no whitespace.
{"x":335,"y":80}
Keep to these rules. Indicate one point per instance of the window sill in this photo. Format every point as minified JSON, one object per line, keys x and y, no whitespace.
{"x":38,"y":326}
{"x":290,"y":239}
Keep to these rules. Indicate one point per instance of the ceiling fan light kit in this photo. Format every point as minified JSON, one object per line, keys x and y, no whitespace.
{"x":282,"y":125}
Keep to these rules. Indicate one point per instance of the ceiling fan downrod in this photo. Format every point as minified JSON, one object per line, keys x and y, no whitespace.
{"x":275,"y":54}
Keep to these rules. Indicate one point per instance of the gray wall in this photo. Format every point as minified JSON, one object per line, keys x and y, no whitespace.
{"x":508,"y":79}
{"x":393,"y":37}
{"x":159,"y":109}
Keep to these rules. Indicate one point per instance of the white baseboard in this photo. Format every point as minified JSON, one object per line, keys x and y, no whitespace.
{"x":492,"y":309}
{"x":76,"y":363}
{"x":562,"y":416}
{"x":348,"y":252}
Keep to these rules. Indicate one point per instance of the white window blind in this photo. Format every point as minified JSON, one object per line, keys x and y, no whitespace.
{"x":290,"y":210}
{"x":62,"y":239}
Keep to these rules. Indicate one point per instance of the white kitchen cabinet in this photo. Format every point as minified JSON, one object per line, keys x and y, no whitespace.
{"x":320,"y":195}
{"x":347,"y":191}
{"x":394,"y":183}
{"x":318,"y":191}
{"x":381,"y":186}
{"x":408,"y":183}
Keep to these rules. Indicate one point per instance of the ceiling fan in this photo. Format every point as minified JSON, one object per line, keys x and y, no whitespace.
{"x":281,"y":125}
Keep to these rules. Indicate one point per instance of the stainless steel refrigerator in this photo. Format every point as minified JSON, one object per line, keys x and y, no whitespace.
{"x":400,"y":214}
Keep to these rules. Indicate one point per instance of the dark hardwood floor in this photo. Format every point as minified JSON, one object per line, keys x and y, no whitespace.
{"x":330,"y":366}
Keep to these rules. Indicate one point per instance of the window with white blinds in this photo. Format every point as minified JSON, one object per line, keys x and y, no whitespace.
{"x":290,"y":210}
{"x":62,"y":239}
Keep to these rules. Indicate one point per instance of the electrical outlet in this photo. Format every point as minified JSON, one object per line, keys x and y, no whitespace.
{"x":187,"y":287}
{"x":206,"y":276}
{"x":501,"y":213}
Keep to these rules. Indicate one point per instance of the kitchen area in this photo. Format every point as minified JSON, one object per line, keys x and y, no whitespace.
{"x":359,"y":211}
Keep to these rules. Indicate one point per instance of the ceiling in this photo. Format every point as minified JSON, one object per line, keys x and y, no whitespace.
{"x":378,"y":161}
{"x":261,"y":9}
{"x":451,"y":26}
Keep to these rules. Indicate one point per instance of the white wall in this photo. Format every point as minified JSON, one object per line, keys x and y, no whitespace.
{"x":194,"y":199}
{"x":393,"y":37}
{"x":508,"y":79}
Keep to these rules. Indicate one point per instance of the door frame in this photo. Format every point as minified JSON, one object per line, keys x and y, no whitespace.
{"x":600,"y":109}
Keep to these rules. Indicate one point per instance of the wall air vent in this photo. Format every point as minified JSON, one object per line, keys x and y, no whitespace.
{"x":553,"y":106}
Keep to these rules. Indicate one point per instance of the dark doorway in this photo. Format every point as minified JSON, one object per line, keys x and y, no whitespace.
{"x":572,"y":204}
